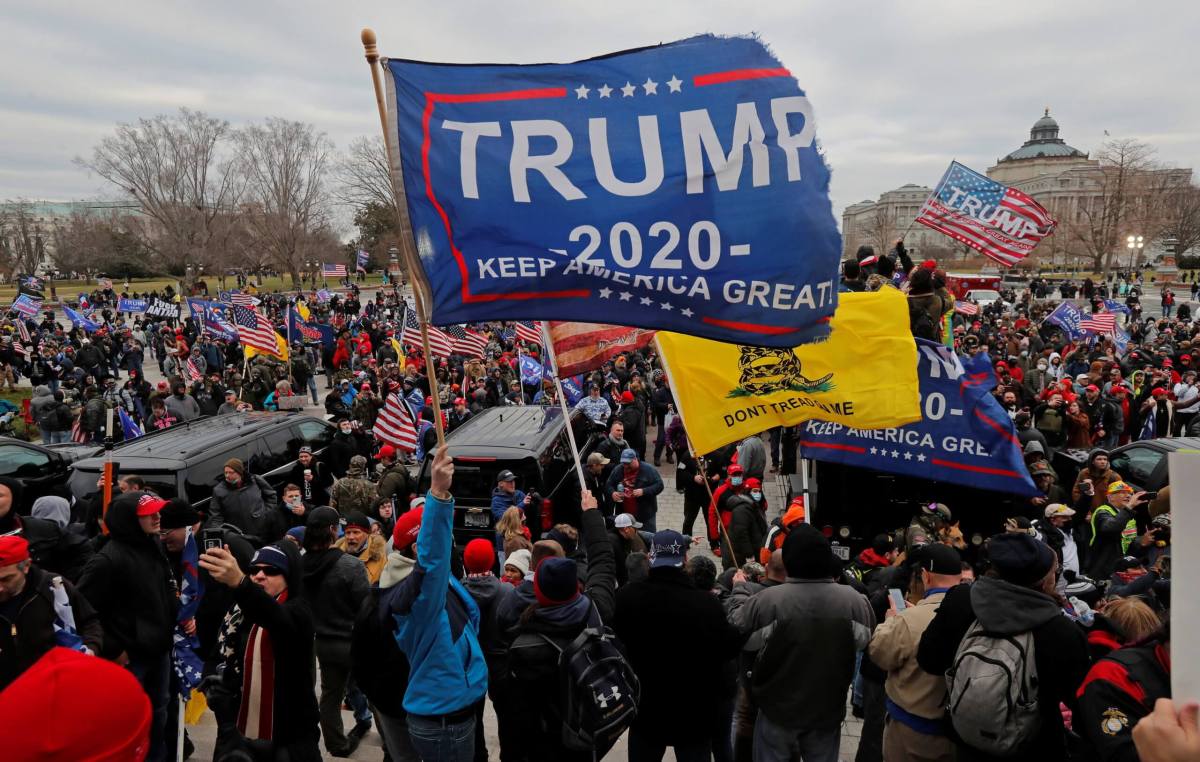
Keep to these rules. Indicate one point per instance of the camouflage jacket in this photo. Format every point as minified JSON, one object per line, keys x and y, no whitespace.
{"x":352,"y":493}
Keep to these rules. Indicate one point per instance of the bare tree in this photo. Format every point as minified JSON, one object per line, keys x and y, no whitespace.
{"x":1181,"y":215}
{"x":363,"y":176}
{"x":91,"y":244}
{"x":880,"y":229}
{"x":174,"y":167}
{"x":285,"y":164}
{"x":1126,"y":193}
{"x":22,"y":239}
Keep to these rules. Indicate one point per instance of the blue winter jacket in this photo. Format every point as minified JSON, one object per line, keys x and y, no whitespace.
{"x":437,"y":623}
{"x":502,"y":501}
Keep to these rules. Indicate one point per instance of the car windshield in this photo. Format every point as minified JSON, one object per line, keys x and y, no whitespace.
{"x":983,"y":294}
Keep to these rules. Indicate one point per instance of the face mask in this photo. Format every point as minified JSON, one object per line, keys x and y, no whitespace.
{"x":345,"y":429}
{"x":1041,"y":366}
{"x":735,"y":480}
{"x":756,"y":495}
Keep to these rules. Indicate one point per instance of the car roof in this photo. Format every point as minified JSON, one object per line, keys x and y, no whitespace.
{"x":520,"y":427}
{"x":180,"y":442}
{"x":1166,"y":444}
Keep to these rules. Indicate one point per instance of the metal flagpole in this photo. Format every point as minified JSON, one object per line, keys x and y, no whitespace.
{"x":407,"y":243}
{"x":701,"y":462}
{"x":562,"y":402}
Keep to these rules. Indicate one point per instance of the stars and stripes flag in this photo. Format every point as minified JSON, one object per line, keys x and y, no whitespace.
{"x":528,"y":332}
{"x":254,"y":330}
{"x":243,"y":300}
{"x":333,"y":271}
{"x":105,"y":283}
{"x":1001,"y":222}
{"x":360,"y":261}
{"x":65,"y":633}
{"x":396,"y":425}
{"x":467,"y":342}
{"x":966,"y":308}
{"x":187,"y":664}
{"x":1100,"y":322}
{"x":24,"y":340}
{"x":193,"y":370}
{"x":440,"y":342}
{"x":581,"y":347}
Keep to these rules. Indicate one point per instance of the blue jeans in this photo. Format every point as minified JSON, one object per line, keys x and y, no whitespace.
{"x":773,"y":743}
{"x":154,"y":674}
{"x":312,"y":388}
{"x":439,"y":741}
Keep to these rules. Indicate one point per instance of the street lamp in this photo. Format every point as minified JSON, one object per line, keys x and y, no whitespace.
{"x":1134,"y":244}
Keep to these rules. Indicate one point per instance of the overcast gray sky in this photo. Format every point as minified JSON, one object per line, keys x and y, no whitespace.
{"x":899,"y":88}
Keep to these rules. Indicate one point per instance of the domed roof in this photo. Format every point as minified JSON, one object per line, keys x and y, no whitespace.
{"x":1044,"y":142}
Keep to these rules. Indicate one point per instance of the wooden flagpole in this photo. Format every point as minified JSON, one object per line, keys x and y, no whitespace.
{"x":562,"y":401}
{"x":700,"y":462}
{"x":407,"y":243}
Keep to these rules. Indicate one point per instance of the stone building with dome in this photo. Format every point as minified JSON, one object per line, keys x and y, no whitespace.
{"x":1044,"y":153}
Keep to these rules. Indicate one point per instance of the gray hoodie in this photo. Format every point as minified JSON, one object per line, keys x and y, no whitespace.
{"x":53,"y":508}
{"x":1003,"y":607}
{"x":43,"y":398}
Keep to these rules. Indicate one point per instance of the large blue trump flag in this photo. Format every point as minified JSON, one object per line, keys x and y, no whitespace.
{"x":963,"y":437}
{"x":675,"y":187}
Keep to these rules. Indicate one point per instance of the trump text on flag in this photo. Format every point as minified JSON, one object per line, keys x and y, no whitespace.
{"x":674,"y":187}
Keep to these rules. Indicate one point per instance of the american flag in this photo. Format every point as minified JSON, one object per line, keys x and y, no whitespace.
{"x":23,"y":337}
{"x":1100,"y":322}
{"x":581,"y":347}
{"x":966,"y":308}
{"x":360,"y":262}
{"x":193,"y":370}
{"x":333,"y":271}
{"x":528,"y":332}
{"x":254,"y":330}
{"x":1001,"y":222}
{"x":467,"y":342}
{"x":440,"y":342}
{"x":243,"y":300}
{"x":395,"y":424}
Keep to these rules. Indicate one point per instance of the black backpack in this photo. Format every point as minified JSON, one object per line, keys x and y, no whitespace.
{"x":922,"y":324}
{"x":598,"y":691}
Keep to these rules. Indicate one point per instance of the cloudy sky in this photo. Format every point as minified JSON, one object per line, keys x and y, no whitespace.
{"x":899,"y":88}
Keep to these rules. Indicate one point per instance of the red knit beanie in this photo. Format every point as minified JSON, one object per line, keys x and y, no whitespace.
{"x":70,"y":706}
{"x":479,"y":556}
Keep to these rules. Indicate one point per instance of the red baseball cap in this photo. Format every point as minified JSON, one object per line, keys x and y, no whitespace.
{"x":148,"y":505}
{"x":387,"y":451}
{"x":1091,"y":388}
{"x":1167,"y":362}
{"x":13,"y":550}
{"x":1159,"y":392}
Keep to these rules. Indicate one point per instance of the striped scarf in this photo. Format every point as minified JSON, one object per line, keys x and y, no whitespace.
{"x":256,"y":714}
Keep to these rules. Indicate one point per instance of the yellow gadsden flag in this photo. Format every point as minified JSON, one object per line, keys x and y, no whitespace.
{"x":864,"y":376}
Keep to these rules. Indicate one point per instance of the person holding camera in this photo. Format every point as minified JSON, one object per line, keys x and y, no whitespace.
{"x":1113,"y":528}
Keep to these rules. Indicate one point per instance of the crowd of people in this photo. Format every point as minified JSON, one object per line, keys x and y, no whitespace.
{"x":346,"y":586}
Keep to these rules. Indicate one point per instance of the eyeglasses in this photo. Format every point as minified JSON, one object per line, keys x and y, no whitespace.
{"x":270,"y":571}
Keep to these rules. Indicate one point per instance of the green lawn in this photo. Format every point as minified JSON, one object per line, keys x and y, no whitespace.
{"x":70,"y":289}
{"x":17,"y":398}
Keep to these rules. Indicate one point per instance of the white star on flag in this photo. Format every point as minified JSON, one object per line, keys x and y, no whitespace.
{"x":674,"y":83}
{"x":647,"y":301}
{"x":628,"y":90}
{"x":581,"y":93}
{"x":686,"y":312}
{"x":874,"y":451}
{"x":895,"y":453}
{"x":921,"y":457}
{"x":604,"y":91}
{"x":605,"y":293}
{"x":650,"y":86}
{"x":666,"y":306}
{"x":626,"y":296}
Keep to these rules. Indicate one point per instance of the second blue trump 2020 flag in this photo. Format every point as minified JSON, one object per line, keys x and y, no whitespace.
{"x":963,"y":437}
{"x":676,"y":187}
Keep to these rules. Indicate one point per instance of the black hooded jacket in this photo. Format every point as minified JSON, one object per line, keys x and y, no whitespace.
{"x":130,"y":585}
{"x":1060,"y":650}
{"x":290,"y":626}
{"x":335,"y":586}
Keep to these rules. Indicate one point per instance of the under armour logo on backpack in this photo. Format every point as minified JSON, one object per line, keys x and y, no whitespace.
{"x":603,"y":700}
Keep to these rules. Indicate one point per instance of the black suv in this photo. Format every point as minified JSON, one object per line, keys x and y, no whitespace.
{"x":531,"y":441}
{"x":41,"y":468}
{"x":188,"y":460}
